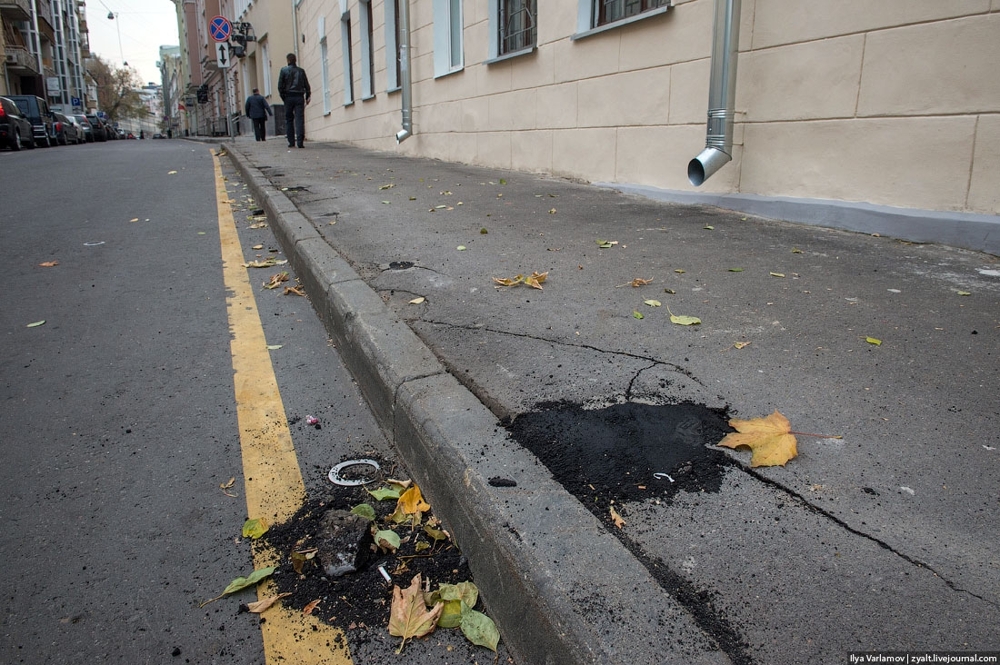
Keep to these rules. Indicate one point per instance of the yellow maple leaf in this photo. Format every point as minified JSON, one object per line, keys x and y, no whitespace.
{"x":770,"y":439}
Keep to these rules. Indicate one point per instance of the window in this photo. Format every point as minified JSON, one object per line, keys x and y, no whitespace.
{"x":610,"y":11}
{"x":367,"y":50}
{"x":448,"y":32}
{"x":595,"y":16}
{"x":324,"y":57}
{"x":265,"y":64}
{"x":516,"y":26}
{"x":345,"y":40}
{"x":392,"y":41}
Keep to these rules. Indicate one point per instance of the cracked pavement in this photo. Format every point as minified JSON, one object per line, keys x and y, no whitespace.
{"x":883,"y":539}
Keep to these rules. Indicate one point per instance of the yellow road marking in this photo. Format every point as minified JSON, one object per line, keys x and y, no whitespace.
{"x":273,"y":481}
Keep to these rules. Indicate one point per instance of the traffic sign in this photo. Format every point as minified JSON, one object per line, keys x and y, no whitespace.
{"x":220,"y":28}
{"x":222,"y":57}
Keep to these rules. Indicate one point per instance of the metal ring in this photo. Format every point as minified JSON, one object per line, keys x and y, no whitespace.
{"x":335,"y":478}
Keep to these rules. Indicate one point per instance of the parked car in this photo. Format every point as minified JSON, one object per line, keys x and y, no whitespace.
{"x":109,"y":130}
{"x":36,"y":110}
{"x":65,"y":130}
{"x":99,"y":134}
{"x":15,"y":129}
{"x":86,"y":129}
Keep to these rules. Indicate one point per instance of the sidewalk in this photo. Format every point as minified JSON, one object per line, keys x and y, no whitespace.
{"x":884,"y":539}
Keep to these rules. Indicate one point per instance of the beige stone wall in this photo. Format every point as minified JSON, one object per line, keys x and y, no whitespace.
{"x":895,"y":102}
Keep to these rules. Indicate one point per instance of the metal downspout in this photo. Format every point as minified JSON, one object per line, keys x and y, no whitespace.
{"x":404,"y":72}
{"x":721,"y":94}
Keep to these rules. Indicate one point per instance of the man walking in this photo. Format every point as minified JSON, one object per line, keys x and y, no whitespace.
{"x":257,"y":109}
{"x":293,"y":86}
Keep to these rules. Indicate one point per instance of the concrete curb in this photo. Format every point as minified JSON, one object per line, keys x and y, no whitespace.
{"x":550,"y":608}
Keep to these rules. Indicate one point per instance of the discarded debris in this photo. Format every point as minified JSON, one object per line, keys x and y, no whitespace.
{"x":337,"y":479}
{"x":534,"y":280}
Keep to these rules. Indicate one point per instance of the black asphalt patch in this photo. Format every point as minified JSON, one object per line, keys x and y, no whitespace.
{"x":612,"y":453}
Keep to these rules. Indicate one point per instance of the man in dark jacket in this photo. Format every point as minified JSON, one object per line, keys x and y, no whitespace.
{"x":257,"y":109}
{"x":293,"y":86}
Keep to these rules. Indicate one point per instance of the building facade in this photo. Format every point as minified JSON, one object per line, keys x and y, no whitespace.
{"x":893,"y":104}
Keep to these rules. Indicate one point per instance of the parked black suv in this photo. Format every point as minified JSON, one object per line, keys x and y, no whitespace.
{"x":36,"y":110}
{"x":15,"y":129}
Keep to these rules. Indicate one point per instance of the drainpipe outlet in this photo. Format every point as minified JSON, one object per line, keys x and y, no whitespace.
{"x":707,"y":163}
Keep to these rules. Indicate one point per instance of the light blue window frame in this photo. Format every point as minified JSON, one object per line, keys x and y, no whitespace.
{"x":345,"y":41}
{"x":449,"y":51}
{"x":586,"y":18}
{"x":367,"y":49}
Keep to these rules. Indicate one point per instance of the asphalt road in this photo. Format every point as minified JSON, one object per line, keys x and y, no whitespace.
{"x":119,"y":425}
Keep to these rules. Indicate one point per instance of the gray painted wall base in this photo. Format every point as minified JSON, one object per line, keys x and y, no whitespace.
{"x":966,"y":230}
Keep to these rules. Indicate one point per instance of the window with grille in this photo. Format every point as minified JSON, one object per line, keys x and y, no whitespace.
{"x":610,"y":11}
{"x":393,"y":39}
{"x":516,"y":22}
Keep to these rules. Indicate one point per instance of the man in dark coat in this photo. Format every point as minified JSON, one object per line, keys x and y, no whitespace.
{"x":257,"y":109}
{"x":293,"y":86}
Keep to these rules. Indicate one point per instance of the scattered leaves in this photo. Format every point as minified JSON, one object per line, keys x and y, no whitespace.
{"x":409,"y":616}
{"x":266,"y":263}
{"x":534,"y":280}
{"x":276,"y":280}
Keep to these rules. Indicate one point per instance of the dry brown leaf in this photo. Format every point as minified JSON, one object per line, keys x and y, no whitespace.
{"x":638,"y":281}
{"x":409,"y":616}
{"x":49,"y":264}
{"x":265,"y":603}
{"x":308,"y":609}
{"x":276,"y":280}
{"x":616,"y":518}
{"x":770,"y":439}
{"x":295,"y":290}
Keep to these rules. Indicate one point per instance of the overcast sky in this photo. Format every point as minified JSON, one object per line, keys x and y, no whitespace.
{"x":145,"y":26}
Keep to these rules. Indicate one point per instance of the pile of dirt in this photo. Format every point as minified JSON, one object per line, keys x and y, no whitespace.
{"x":359,"y":601}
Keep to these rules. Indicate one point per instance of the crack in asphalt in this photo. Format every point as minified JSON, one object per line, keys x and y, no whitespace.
{"x":847,"y":527}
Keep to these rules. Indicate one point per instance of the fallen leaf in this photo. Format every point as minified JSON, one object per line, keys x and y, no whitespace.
{"x":171,"y":172}
{"x":389,"y":186}
{"x":769,"y":438}
{"x":35,"y":324}
{"x":652,"y":303}
{"x":241,"y":583}
{"x":964,"y":293}
{"x":709,"y":228}
{"x":274,"y":347}
{"x":777,"y":274}
{"x":637,"y":314}
{"x":417,"y":301}
{"x":134,"y":219}
{"x":228,"y":484}
{"x":259,"y":225}
{"x":617,"y":519}
{"x":266,"y":263}
{"x":796,"y":250}
{"x":257,"y":247}
{"x":49,"y":264}
{"x":276,"y":280}
{"x":410,"y":503}
{"x":670,"y":291}
{"x":535,"y":279}
{"x":638,"y":281}
{"x":483,"y":231}
{"x":308,"y":609}
{"x":683,"y":320}
{"x":873,"y":341}
{"x":384,"y":493}
{"x":388,"y":540}
{"x":741,"y":345}
{"x":552,"y":211}
{"x":364,"y":510}
{"x":606,"y":244}
{"x":680,"y":271}
{"x":736,"y":270}
{"x":409,"y":616}
{"x":461,"y":248}
{"x":479,"y":628}
{"x":295,"y":291}
{"x":259,"y":606}
{"x":254,"y":528}
{"x":299,"y":558}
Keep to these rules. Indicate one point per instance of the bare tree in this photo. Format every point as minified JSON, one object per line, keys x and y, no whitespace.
{"x":117,"y":90}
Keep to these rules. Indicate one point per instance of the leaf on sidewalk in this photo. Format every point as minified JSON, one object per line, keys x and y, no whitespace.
{"x":617,"y":519}
{"x":770,"y":439}
{"x":479,"y":628}
{"x":254,"y":528}
{"x":409,"y":616}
